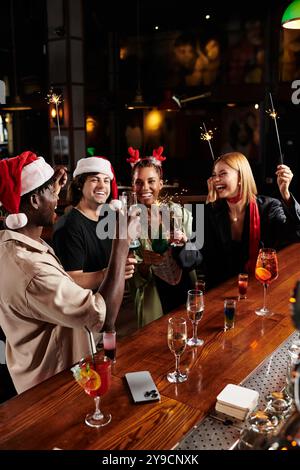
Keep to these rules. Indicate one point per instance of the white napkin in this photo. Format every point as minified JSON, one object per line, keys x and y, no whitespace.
{"x":237,"y":401}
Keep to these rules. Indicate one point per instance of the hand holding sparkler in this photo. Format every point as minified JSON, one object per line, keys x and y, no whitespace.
{"x":284,"y":178}
{"x":61,"y":177}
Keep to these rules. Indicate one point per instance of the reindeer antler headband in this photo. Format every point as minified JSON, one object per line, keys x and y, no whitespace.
{"x":135,"y":156}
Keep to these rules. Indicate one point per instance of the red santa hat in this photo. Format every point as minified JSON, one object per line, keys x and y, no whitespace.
{"x":98,"y":165}
{"x":19,"y":176}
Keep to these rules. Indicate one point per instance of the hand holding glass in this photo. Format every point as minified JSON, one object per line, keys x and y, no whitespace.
{"x":177,"y":335}
{"x":176,"y":229}
{"x":93,"y":374}
{"x":195,"y":309}
{"x":265,"y":272}
{"x":129,"y":201}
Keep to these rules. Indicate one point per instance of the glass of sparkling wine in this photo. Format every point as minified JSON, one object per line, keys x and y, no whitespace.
{"x":177,"y":335}
{"x":195,"y":309}
{"x":130,"y":203}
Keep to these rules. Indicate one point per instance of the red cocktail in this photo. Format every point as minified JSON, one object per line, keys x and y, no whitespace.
{"x":93,"y":374}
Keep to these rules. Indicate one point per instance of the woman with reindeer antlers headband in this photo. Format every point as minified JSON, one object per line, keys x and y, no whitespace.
{"x":165,"y":271}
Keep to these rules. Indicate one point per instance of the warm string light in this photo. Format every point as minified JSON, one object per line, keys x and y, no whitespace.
{"x":56,"y":100}
{"x":208,"y":136}
{"x":274,"y":115}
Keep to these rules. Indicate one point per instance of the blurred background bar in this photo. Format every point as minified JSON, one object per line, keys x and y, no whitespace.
{"x":151,"y":76}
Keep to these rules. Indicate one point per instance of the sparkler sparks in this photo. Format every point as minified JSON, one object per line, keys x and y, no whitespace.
{"x":274,"y":115}
{"x":56,"y":100}
{"x":53,"y":98}
{"x":208,"y":136}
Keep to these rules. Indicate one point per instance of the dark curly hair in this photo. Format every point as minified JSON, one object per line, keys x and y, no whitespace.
{"x":26,"y":197}
{"x":148,"y":162}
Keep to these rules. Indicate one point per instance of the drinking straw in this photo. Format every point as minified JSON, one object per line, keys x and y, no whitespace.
{"x":92,"y":345}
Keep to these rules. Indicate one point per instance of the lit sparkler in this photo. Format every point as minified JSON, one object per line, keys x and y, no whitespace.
{"x":56,"y":100}
{"x":274,"y":115}
{"x":208,"y":135}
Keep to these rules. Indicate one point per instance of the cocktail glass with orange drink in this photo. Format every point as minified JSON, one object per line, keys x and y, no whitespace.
{"x":266,"y":271}
{"x":93,"y":374}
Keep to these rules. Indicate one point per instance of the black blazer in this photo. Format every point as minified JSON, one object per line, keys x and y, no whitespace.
{"x":223,"y":257}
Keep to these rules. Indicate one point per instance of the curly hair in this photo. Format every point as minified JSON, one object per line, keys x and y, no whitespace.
{"x":148,"y":162}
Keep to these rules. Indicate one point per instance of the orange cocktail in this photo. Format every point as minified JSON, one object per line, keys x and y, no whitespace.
{"x":265,"y":272}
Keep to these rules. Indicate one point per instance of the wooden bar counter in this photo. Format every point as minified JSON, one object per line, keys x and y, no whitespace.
{"x":52,"y":414}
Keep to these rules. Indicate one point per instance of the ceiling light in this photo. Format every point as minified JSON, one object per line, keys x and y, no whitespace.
{"x":291,"y":16}
{"x":138,"y":101}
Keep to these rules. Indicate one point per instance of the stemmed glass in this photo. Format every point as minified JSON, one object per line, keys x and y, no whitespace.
{"x":93,"y":374}
{"x":265,"y":272}
{"x":130,"y":203}
{"x":177,"y":335}
{"x":195,"y":309}
{"x":175,"y":227}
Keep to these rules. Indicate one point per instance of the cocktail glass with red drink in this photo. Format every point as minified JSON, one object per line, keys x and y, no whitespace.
{"x":243,"y":285}
{"x":93,"y":374}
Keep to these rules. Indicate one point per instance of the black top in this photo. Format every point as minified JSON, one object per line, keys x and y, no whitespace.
{"x":223,"y":257}
{"x":76,"y":244}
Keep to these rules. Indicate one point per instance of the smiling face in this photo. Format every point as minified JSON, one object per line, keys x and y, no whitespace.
{"x":96,"y":190}
{"x":225,"y":180}
{"x":147,"y":184}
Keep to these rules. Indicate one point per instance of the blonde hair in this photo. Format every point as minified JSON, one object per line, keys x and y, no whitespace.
{"x":238,"y":162}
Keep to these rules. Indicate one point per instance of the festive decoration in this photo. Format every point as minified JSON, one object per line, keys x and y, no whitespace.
{"x":135,"y":156}
{"x":207,"y":135}
{"x":56,"y":100}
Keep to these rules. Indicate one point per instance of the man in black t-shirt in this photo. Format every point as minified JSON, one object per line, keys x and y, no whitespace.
{"x":83,"y":255}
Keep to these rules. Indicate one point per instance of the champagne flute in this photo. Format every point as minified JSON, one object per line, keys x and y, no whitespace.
{"x":265,"y":272}
{"x":93,"y":374}
{"x":177,"y":335}
{"x":175,"y":227}
{"x":195,"y":309}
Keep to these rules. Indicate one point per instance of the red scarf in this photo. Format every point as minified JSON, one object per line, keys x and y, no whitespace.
{"x":254,"y":237}
{"x":235,"y":199}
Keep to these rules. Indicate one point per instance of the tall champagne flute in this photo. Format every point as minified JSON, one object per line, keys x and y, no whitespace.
{"x":129,"y":201}
{"x":265,"y":272}
{"x":177,"y":335}
{"x":195,"y":309}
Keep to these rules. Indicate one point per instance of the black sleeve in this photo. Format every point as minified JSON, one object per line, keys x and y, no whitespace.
{"x":293,"y":212}
{"x":281,"y":223}
{"x":68,"y":244}
{"x":188,"y":257}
